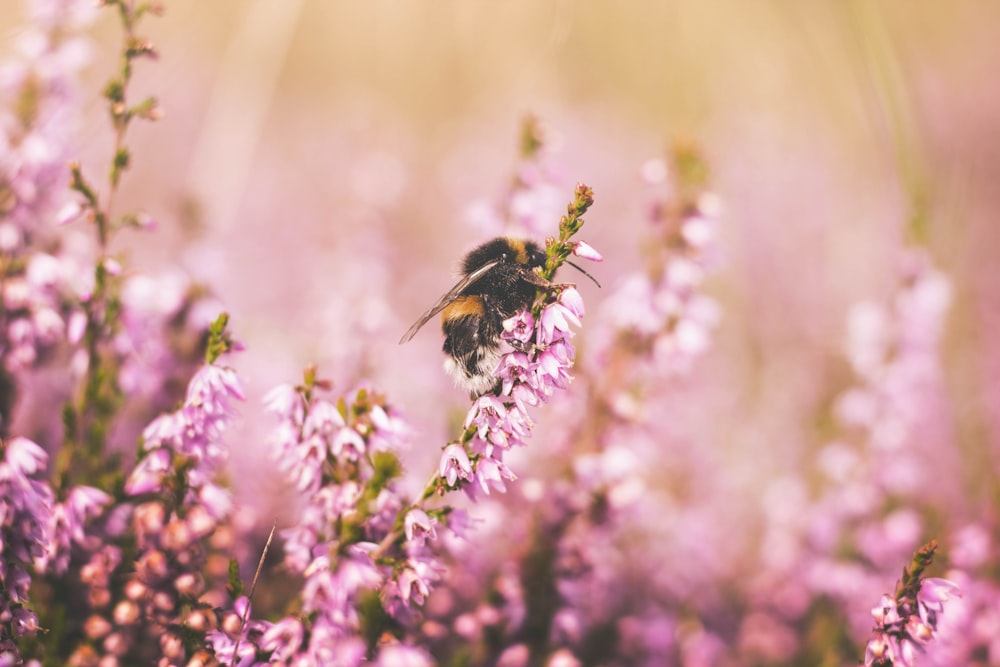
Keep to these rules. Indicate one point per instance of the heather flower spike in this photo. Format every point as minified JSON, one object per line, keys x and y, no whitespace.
{"x":906,"y":621}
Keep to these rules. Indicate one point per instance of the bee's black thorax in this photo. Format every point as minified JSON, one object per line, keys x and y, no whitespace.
{"x":504,"y":288}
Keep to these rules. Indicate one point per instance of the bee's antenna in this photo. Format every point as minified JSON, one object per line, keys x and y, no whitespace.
{"x":584,"y":273}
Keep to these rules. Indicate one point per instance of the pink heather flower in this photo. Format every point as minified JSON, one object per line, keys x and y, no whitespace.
{"x":26,"y":515}
{"x":217,"y":501}
{"x":934,"y":592}
{"x":212,"y":386}
{"x":901,"y":630}
{"x":414,"y":588}
{"x":571,"y":298}
{"x":698,"y":232}
{"x":520,"y":327}
{"x":455,"y":464}
{"x":489,"y":414}
{"x":491,"y":473}
{"x":283,"y":639}
{"x":400,"y":655}
{"x":555,"y":323}
{"x":630,"y":307}
{"x":194,"y":432}
{"x":68,"y":524}
{"x":285,"y":402}
{"x":419,"y":527}
{"x":332,"y":591}
{"x":24,"y":457}
{"x":348,"y":443}
{"x":563,"y":658}
{"x":885,"y":612}
{"x":76,"y":327}
{"x":586,"y":251}
{"x":390,"y":431}
{"x":303,"y":464}
{"x":514,"y":370}
{"x":878,"y":649}
{"x":70,"y":212}
{"x":148,"y":474}
{"x":323,"y":419}
{"x":112,"y":266}
{"x":44,"y":271}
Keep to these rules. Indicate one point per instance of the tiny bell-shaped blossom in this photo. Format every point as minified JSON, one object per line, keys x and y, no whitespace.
{"x":555,"y":323}
{"x":454,"y":464}
{"x":419,"y":527}
{"x":491,"y":473}
{"x":586,"y":251}
{"x":520,"y":327}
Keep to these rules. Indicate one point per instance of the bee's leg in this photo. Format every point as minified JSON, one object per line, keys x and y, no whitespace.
{"x":526,"y":347}
{"x":533,"y":278}
{"x":520,"y":345}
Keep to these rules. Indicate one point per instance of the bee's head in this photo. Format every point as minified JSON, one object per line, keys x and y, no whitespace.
{"x":532,"y":254}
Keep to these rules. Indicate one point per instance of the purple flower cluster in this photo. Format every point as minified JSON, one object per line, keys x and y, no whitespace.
{"x":356,"y":536}
{"x":538,"y":362}
{"x":34,"y":145}
{"x":893,"y":349}
{"x":663,"y":312}
{"x":35,"y":312}
{"x":176,"y":510}
{"x":903,"y":627}
{"x":34,"y":149}
{"x":25,"y":520}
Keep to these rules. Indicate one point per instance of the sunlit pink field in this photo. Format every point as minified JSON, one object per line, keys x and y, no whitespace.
{"x":785,"y":385}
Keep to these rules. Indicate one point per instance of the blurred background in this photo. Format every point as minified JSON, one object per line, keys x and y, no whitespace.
{"x":322,"y":166}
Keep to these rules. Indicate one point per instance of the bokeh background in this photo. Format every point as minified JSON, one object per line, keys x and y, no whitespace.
{"x":321,"y":164}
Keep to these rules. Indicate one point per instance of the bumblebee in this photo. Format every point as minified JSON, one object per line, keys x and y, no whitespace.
{"x":498,"y":280}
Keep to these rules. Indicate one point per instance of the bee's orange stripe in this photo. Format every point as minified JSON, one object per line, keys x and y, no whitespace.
{"x":520,"y":250}
{"x":463,"y":306}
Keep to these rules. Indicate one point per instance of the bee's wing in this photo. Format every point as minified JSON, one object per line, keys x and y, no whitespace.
{"x":451,"y":295}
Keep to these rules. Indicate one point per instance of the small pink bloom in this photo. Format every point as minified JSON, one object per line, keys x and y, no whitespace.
{"x":934,"y":589}
{"x":419,"y":526}
{"x":324,"y":418}
{"x":76,"y":326}
{"x":491,"y":473}
{"x":519,"y":327}
{"x":401,"y":655}
{"x":885,"y":612}
{"x":25,"y":456}
{"x":112,"y":266}
{"x":285,"y":402}
{"x":348,"y":443}
{"x":454,"y":464}
{"x":878,"y":648}
{"x":283,"y":638}
{"x":571,"y":298}
{"x":555,"y":323}
{"x":68,"y":213}
{"x":586,"y":251}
